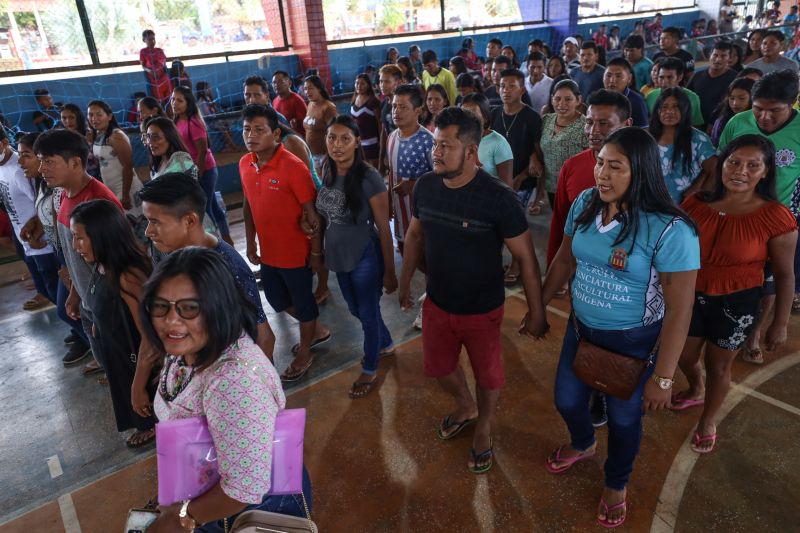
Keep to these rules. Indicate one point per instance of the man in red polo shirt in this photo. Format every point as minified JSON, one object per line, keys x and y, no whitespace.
{"x":289,"y":103}
{"x":608,"y":111}
{"x":278,"y":192}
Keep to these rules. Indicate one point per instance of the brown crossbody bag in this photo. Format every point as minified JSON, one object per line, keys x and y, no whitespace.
{"x":609,"y":372}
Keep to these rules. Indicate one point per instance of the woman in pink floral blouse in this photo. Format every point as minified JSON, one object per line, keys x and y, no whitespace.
{"x":193,"y":308}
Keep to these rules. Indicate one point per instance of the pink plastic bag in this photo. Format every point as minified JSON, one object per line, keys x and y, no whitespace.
{"x":187,"y":459}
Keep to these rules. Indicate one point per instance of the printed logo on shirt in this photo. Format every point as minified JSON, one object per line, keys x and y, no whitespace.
{"x":785,"y":157}
{"x":618,"y":259}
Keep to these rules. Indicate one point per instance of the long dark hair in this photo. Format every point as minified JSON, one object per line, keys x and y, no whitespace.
{"x":765,"y":187}
{"x":80,"y":118}
{"x":112,"y":123}
{"x":411,"y":74}
{"x":192,"y":110}
{"x":460,"y":64}
{"x":723,"y":110}
{"x":316,"y":81}
{"x":683,"y":131}
{"x":647,"y":192}
{"x":113,"y":243}
{"x":436,"y":87}
{"x":227,"y":312}
{"x":370,"y":89}
{"x":353,"y":191}
{"x":151,"y":103}
{"x":172,"y":136}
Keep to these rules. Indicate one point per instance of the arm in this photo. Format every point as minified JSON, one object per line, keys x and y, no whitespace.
{"x":250,"y":233}
{"x":379,"y":204}
{"x":382,"y":152}
{"x":210,"y":506}
{"x":561,"y":270}
{"x":73,"y":304}
{"x":678,"y":290}
{"x":505,"y":171}
{"x":412,"y":253}
{"x":201,"y":145}
{"x":122,"y":147}
{"x":534,"y":324}
{"x":702,"y":181}
{"x":131,"y":293}
{"x":781,"y":253}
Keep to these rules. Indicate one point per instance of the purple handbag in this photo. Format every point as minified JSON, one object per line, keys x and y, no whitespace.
{"x":187,"y":459}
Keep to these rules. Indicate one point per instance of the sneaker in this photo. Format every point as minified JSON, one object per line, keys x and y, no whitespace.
{"x":76,"y":353}
{"x":599,"y":409}
{"x":71,"y":339}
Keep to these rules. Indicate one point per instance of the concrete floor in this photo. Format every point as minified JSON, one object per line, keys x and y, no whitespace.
{"x":66,"y":468}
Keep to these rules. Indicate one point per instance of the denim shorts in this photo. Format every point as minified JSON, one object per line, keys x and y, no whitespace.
{"x":725,"y":320}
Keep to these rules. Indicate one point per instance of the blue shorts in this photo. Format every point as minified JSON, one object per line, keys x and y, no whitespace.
{"x":290,"y":287}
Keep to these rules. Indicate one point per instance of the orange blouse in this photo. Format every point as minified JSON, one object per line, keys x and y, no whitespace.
{"x":733,"y":248}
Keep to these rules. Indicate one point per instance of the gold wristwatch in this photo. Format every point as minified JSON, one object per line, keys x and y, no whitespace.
{"x":187,"y":521}
{"x":663,"y":383}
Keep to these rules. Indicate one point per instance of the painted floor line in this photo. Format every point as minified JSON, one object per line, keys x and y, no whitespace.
{"x":54,"y":465}
{"x":68,"y":514}
{"x":666,"y":514}
{"x":768,"y":399}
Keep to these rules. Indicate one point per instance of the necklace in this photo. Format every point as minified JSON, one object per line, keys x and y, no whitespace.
{"x":94,"y":280}
{"x":508,"y":128}
{"x":182,"y":380}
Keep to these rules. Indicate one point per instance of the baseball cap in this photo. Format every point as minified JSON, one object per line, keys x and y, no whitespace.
{"x":572,"y":40}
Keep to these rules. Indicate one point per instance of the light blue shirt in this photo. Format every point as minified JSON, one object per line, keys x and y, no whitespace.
{"x":616,"y":287}
{"x":493,"y":150}
{"x":679,"y":178}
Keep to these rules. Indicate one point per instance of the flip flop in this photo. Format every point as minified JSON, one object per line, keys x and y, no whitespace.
{"x":510,"y":279}
{"x":362,"y":388}
{"x":754,"y":356}
{"x":130,"y":444}
{"x":536,"y":208}
{"x":679,"y":404}
{"x":322,"y":299}
{"x":479,"y":458}
{"x":316,"y":342}
{"x":286,"y":376}
{"x":698,"y":440}
{"x":621,"y":505}
{"x":92,"y":367}
{"x":447,"y":424}
{"x":569,"y":462}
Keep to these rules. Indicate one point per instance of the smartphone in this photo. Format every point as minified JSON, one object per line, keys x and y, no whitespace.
{"x":139,"y":520}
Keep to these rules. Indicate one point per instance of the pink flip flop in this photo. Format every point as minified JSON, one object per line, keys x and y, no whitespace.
{"x":569,"y":462}
{"x":679,"y":404}
{"x":699,"y":440}
{"x":621,"y":505}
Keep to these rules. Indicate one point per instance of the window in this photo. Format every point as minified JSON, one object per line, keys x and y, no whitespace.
{"x":183,"y":27}
{"x":360,"y":19}
{"x":601,"y":8}
{"x":38,"y":34}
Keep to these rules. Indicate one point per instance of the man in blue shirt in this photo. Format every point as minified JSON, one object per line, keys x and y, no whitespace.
{"x":618,"y":78}
{"x":589,"y":76}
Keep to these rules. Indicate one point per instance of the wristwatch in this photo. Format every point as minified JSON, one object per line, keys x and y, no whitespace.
{"x":187,"y":521}
{"x":663,"y":383}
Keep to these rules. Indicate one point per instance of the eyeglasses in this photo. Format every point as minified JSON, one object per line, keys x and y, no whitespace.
{"x":187,"y":308}
{"x":147,"y":137}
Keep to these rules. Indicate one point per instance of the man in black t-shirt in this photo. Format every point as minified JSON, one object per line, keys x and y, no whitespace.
{"x":711,"y":84}
{"x":462,"y":216}
{"x":522,"y":128}
{"x":669,"y":44}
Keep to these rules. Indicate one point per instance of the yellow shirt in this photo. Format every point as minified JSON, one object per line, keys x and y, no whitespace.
{"x":444,"y":78}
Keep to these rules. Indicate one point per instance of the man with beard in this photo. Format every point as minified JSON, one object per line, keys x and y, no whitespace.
{"x":461,"y":211}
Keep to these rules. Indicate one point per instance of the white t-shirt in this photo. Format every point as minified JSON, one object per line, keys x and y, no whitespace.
{"x":19,"y":199}
{"x":539,"y":93}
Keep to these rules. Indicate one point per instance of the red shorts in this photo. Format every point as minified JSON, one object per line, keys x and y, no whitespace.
{"x":443,"y":335}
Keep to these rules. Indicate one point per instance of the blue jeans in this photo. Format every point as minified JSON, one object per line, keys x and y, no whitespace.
{"x":76,"y":326}
{"x":362,"y":289}
{"x":45,"y":276}
{"x":208,"y":181}
{"x":524,"y":196}
{"x":624,"y":416}
{"x":288,"y":504}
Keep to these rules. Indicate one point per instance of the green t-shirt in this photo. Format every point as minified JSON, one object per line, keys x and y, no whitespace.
{"x":694,"y":100}
{"x":642,"y":71}
{"x":787,"y":149}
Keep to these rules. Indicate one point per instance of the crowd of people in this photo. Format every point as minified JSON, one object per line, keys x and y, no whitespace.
{"x":674,"y":197}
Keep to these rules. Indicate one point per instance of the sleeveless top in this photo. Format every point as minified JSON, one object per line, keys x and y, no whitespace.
{"x":111,"y":171}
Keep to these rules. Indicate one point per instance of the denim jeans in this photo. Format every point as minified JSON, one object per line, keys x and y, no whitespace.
{"x":624,"y":416}
{"x":362,"y":289}
{"x":208,"y":181}
{"x":46,"y":275}
{"x":76,"y":326}
{"x":524,"y":197}
{"x":291,"y":504}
